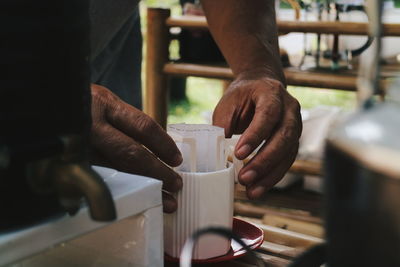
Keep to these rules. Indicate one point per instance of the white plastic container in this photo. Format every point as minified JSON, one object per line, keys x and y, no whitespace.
{"x":134,"y":239}
{"x":206,"y":198}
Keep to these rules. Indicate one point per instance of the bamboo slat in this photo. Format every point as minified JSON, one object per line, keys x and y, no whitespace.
{"x":327,"y":27}
{"x":282,"y":244}
{"x":293,"y":199}
{"x":197,"y":70}
{"x":293,"y":76}
{"x":285,"y":237}
{"x":250,"y":210}
{"x":156,"y":56}
{"x":269,"y":260}
{"x":280,"y":250}
{"x":307,"y":167}
{"x":334,"y":27}
{"x":347,"y":82}
{"x":307,"y":228}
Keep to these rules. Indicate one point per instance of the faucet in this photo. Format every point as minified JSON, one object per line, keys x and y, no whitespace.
{"x":72,"y":178}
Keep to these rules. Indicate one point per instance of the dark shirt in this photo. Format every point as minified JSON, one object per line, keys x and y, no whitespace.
{"x":116,"y":48}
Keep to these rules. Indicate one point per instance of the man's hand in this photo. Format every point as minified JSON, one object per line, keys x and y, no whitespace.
{"x":128,"y":140}
{"x":256,"y":103}
{"x":261,"y":109}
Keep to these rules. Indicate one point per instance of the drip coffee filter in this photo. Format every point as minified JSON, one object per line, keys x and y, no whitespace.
{"x":202,"y":147}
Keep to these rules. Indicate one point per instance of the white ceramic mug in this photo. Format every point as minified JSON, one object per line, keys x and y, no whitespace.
{"x":206,"y":199}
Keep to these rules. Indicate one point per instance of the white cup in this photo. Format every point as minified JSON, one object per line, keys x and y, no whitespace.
{"x":205,"y":200}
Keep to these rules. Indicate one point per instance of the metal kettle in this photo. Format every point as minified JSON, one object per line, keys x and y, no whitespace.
{"x":363,"y":189}
{"x":362,"y":176}
{"x":362,"y":182}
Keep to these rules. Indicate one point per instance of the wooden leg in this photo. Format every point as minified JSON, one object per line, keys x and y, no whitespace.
{"x":156,"y":97}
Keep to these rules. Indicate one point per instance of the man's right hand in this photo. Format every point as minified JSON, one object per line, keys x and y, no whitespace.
{"x":126,"y":139}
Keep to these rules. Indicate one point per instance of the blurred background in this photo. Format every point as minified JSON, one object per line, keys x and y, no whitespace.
{"x":203,"y":94}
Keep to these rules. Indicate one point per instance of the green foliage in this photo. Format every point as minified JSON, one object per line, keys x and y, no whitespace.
{"x":203,"y":95}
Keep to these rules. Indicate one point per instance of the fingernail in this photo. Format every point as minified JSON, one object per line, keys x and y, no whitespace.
{"x":243,"y":151}
{"x":248,"y":177}
{"x":170,"y":206}
{"x":258,"y":191}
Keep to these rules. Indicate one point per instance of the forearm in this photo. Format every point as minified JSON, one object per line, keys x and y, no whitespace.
{"x":246,"y":32}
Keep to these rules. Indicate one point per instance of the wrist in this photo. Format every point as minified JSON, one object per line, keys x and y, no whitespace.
{"x":261,"y":73}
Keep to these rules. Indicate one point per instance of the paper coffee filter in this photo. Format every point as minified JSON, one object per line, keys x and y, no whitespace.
{"x":202,"y":146}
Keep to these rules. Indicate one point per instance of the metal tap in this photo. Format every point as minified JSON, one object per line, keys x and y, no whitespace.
{"x":72,"y":178}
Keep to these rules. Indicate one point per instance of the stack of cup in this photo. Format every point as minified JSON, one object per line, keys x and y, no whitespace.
{"x":206,"y":198}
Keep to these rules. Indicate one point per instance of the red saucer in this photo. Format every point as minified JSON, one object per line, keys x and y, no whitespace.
{"x":251,"y":235}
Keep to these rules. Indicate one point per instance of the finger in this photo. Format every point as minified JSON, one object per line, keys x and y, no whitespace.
{"x":257,"y":189}
{"x":128,"y":156}
{"x":284,"y":139}
{"x":266,"y":116}
{"x":144,"y":130}
{"x":225,"y":118}
{"x":169,"y":203}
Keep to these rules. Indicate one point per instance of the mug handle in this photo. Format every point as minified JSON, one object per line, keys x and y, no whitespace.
{"x":192,"y":144}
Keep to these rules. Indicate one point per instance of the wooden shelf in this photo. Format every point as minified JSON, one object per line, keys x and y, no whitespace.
{"x":346,"y":81}
{"x":197,"y":70}
{"x":158,"y":67}
{"x":323,"y":27}
{"x":293,"y":76}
